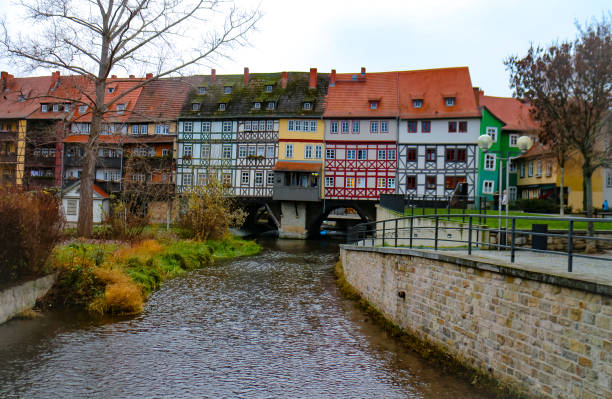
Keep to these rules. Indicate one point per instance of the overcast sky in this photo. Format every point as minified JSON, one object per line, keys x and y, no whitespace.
{"x":388,"y":35}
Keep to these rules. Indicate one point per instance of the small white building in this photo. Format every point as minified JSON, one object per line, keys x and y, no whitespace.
{"x":71,"y":198}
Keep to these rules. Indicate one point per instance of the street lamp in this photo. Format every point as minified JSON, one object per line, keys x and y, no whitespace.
{"x":523,"y":143}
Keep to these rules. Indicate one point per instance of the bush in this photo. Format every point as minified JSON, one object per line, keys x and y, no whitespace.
{"x":125,"y":222}
{"x":535,"y":205}
{"x":32,"y":224}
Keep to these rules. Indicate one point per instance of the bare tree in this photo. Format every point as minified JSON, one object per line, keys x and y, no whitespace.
{"x":92,"y":38}
{"x":569,"y":85}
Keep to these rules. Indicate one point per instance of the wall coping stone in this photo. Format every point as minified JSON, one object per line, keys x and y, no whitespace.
{"x":567,"y":280}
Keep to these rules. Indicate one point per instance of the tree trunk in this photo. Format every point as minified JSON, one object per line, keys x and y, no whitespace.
{"x":587,"y":174}
{"x":561,"y":194}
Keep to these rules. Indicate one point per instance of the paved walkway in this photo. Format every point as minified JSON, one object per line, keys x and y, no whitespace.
{"x":598,"y":270}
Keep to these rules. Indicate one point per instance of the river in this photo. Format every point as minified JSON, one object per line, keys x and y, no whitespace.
{"x":270,"y":326}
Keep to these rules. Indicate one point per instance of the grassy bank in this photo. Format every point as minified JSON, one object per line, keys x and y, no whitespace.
{"x":117,"y":278}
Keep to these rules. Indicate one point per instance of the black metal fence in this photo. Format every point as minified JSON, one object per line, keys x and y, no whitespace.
{"x":466,"y":231}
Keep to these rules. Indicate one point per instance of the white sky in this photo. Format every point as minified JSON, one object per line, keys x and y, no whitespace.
{"x":387,"y":35}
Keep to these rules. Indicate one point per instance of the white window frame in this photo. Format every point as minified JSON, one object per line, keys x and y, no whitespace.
{"x":162,"y":128}
{"x":227,"y":152}
{"x":55,"y":107}
{"x":195,"y":106}
{"x":539,"y":168}
{"x":360,"y":182}
{"x":382,"y":155}
{"x":187,"y":151}
{"x":391,"y":182}
{"x":490,"y":159}
{"x":268,"y":89}
{"x":256,"y":105}
{"x":530,"y":169}
{"x":72,"y":206}
{"x":202,"y":90}
{"x":227,"y":89}
{"x":307,"y":106}
{"x":270,"y":178}
{"x":259,"y":178}
{"x":270,"y":151}
{"x":288,"y":150}
{"x":206,"y":127}
{"x":318,"y":151}
{"x":491,"y":131}
{"x":227,"y":127}
{"x":330,"y":154}
{"x":513,"y":140}
{"x":188,"y":127}
{"x":449,"y":101}
{"x":82,"y":109}
{"x":244,"y":178}
{"x":417,"y":103}
{"x":512,"y":191}
{"x":381,"y":182}
{"x":44,"y":108}
{"x":270,"y":125}
{"x":350,"y":180}
{"x":609,"y":178}
{"x":242,"y":151}
{"x":222,"y":106}
{"x":188,"y":179}
{"x":329,"y":181}
{"x":271,"y":105}
{"x":362,"y":154}
{"x":391,"y":155}
{"x":308,"y":151}
{"x":351,"y":154}
{"x":205,"y":152}
{"x":488,"y":186}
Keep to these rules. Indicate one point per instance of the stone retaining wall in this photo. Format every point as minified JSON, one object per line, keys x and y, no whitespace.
{"x":549,"y":336}
{"x":15,"y":300}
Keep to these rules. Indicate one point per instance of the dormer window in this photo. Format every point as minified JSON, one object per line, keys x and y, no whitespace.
{"x":256,"y":105}
{"x":55,"y":107}
{"x":307,"y":106}
{"x":82,"y":109}
{"x":202,"y":90}
{"x":268,"y":88}
{"x":417,"y":103}
{"x":21,"y":98}
{"x":195,"y":106}
{"x":66,"y":107}
{"x":222,"y":106}
{"x":110,"y":90}
{"x":120,"y":108}
{"x":373,"y":104}
{"x":450,"y":101}
{"x":44,"y":108}
{"x":271,"y":105}
{"x":227,"y":89}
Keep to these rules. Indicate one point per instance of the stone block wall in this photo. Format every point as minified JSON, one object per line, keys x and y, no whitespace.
{"x":548,"y":336}
{"x":14,"y":300}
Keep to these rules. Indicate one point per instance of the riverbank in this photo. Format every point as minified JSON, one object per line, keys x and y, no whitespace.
{"x":117,"y":278}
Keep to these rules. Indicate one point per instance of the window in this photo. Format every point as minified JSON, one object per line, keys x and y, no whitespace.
{"x":530,"y":169}
{"x":330,"y":154}
{"x":144,"y":129}
{"x":271,"y":105}
{"x":245,"y":178}
{"x":205,"y":151}
{"x":333,"y":127}
{"x":417,"y":103}
{"x":259,"y":178}
{"x":384,"y":127}
{"x":307,"y":106}
{"x":463,"y":127}
{"x":450,"y":155}
{"x":222,"y":106}
{"x":411,"y":182}
{"x":187,"y":180}
{"x":512,"y":166}
{"x":202,"y":90}
{"x":262,"y":125}
{"x":514,"y":140}
{"x":270,"y":179}
{"x":257,"y":105}
{"x":350,"y":182}
{"x":270,"y":125}
{"x":374,"y":127}
{"x":206,"y":126}
{"x":489,"y":161}
{"x":270,"y":151}
{"x":362,"y":154}
{"x":201,"y":179}
{"x":350,"y":154}
{"x":391,"y":155}
{"x":254,"y":126}
{"x":120,"y":108}
{"x":162,"y":129}
{"x":461,"y":154}
{"x":382,"y":155}
{"x":452,"y":127}
{"x":268,"y":88}
{"x":187,"y":151}
{"x":488,"y":187}
{"x":195,"y":106}
{"x":345,"y":126}
{"x":412,"y":126}
{"x":252,"y":151}
{"x":492,"y":131}
{"x":112,"y":175}
{"x":361,"y":182}
{"x":247,"y":125}
{"x":430,"y":182}
{"x":288,"y":150}
{"x":227,"y":127}
{"x":373,"y":104}
{"x":227,"y":179}
{"x":549,"y":169}
{"x":449,"y":101}
{"x":55,"y":107}
{"x":329,"y":182}
{"x":522,"y":174}
{"x":82,"y":109}
{"x":135,"y":129}
{"x":110,"y":90}
{"x":165,"y":152}
{"x":44,"y":108}
{"x":430,"y":155}
{"x":227,"y":89}
{"x":227,"y":152}
{"x":188,"y":127}
{"x":71,"y":206}
{"x":411,"y":154}
{"x":539,"y":168}
{"x":381,"y":182}
{"x":425,"y":126}
{"x":391,"y":182}
{"x":450,"y":182}
{"x":318,"y":151}
{"x":308,"y":151}
{"x":356,"y":126}
{"x":608,"y":178}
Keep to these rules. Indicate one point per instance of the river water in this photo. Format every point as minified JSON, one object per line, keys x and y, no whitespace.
{"x":269,"y":326}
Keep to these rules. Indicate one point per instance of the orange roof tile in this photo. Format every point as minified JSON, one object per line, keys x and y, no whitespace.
{"x":30,"y":88}
{"x":82,"y":138}
{"x":432,"y":86}
{"x":351,"y":97}
{"x":100,"y":191}
{"x":510,"y":110}
{"x":161,"y":100}
{"x":298,"y":166}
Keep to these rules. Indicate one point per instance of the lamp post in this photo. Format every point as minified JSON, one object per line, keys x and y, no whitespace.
{"x":523,"y":143}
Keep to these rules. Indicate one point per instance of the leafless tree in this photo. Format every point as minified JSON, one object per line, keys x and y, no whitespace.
{"x":92,"y":38}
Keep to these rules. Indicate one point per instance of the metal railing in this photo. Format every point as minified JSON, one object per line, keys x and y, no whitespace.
{"x":457,"y":231}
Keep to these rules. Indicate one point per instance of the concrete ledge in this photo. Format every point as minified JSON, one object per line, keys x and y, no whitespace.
{"x":567,"y":280}
{"x":15,"y":300}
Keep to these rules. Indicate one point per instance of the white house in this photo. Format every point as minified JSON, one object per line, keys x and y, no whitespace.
{"x":71,"y":198}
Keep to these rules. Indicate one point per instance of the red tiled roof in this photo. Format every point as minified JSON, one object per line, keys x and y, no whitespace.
{"x":351,"y":97}
{"x":298,"y":166}
{"x":31,"y":88}
{"x":161,"y":100}
{"x":510,"y":110}
{"x":432,"y":86}
{"x":82,"y":138}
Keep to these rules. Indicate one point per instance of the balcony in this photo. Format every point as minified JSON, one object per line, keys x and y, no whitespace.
{"x":296,"y":193}
{"x":37,"y":182}
{"x":108,"y":163}
{"x":38,"y":161}
{"x":8,"y":158}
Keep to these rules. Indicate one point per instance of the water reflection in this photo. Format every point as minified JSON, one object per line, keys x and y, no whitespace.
{"x":273,"y":325}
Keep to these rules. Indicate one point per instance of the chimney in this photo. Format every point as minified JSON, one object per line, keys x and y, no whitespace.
{"x":213,"y":75}
{"x":246,"y":76}
{"x":148,"y":76}
{"x":363,"y":72}
{"x":284,"y":79}
{"x":54,"y":78}
{"x":477,"y":95}
{"x":332,"y":78}
{"x":312,"y":82}
{"x":3,"y":75}
{"x":113,"y":76}
{"x":132,"y":76}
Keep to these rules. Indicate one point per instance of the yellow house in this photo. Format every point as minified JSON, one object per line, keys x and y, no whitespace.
{"x":539,"y":176}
